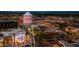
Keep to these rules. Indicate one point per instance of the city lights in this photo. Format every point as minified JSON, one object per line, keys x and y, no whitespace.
{"x":38,"y":29}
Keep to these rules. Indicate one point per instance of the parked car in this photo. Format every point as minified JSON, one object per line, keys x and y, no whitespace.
{"x":76,"y":44}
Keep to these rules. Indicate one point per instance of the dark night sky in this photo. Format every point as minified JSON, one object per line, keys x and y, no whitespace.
{"x":58,"y":13}
{"x":40,"y":12}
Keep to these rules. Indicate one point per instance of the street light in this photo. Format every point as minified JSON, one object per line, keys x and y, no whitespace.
{"x":14,"y":39}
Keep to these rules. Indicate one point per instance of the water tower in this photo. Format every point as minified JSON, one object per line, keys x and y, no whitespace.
{"x":28,"y":22}
{"x":27,"y":19}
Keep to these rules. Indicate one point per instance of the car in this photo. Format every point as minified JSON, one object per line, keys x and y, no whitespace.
{"x":76,"y":44}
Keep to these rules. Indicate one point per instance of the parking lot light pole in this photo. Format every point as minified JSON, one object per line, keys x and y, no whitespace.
{"x":14,"y":40}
